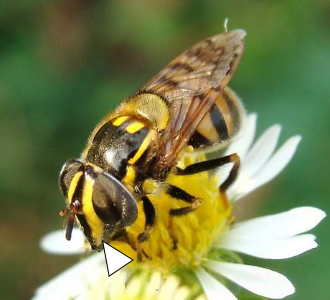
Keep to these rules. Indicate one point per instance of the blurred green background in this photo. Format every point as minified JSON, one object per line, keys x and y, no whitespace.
{"x":65,"y":64}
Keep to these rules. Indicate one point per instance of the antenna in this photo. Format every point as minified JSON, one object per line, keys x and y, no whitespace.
{"x":225,"y":24}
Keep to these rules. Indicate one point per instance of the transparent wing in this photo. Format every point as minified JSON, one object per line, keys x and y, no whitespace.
{"x":191,"y":83}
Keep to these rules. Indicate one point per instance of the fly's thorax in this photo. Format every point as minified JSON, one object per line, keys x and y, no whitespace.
{"x":121,"y":142}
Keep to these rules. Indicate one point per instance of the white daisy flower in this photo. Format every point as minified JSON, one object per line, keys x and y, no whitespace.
{"x":204,"y":235}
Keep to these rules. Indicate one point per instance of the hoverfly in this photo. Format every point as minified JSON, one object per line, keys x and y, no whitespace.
{"x":187,"y":105}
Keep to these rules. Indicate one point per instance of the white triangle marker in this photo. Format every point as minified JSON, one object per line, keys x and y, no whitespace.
{"x":115,"y":259}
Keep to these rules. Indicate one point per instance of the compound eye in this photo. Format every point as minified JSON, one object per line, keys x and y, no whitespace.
{"x":112,"y":202}
{"x":68,"y":171}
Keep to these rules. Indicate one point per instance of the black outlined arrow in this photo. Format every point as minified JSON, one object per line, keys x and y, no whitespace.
{"x":115,"y":259}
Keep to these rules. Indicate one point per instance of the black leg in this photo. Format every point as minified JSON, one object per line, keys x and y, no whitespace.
{"x":212,"y":164}
{"x":150,"y":214}
{"x":232,"y":174}
{"x":180,"y":194}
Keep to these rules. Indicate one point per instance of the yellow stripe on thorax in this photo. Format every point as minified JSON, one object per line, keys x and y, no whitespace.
{"x":120,"y":120}
{"x":144,"y":146}
{"x":134,"y":127}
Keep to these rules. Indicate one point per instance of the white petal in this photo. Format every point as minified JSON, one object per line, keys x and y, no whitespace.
{"x":286,"y":224}
{"x":257,"y":280}
{"x":275,"y":165}
{"x":168,"y":288}
{"x":239,"y":145}
{"x":117,"y":285}
{"x":271,"y":169}
{"x":260,"y":152}
{"x":153,"y":286}
{"x":74,"y":281}
{"x":134,"y":287}
{"x":276,"y":249}
{"x":253,"y":163}
{"x":55,"y":243}
{"x":243,"y":142}
{"x":213,"y":289}
{"x":181,"y":294}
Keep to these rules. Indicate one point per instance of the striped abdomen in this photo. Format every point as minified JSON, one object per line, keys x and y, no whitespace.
{"x":220,"y":124}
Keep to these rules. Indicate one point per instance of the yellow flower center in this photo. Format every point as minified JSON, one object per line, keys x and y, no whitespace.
{"x":194,"y":232}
